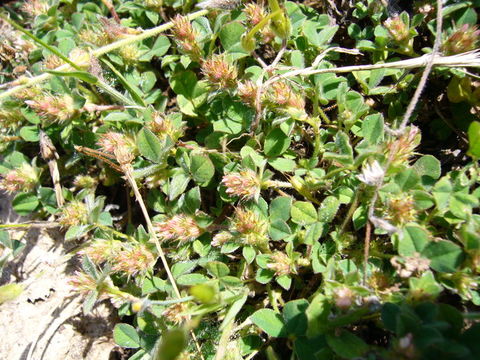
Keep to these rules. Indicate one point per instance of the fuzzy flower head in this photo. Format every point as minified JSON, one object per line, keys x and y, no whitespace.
{"x":251,"y":227}
{"x":82,"y":283}
{"x":403,"y":148}
{"x":25,"y":178}
{"x":255,"y":13}
{"x":397,"y":29}
{"x":372,"y":174}
{"x":247,"y":91}
{"x":54,"y":108}
{"x":85,"y":182}
{"x":34,"y":8}
{"x":73,"y":213}
{"x":282,"y":94}
{"x":222,"y":238}
{"x":10,"y":117}
{"x":244,"y":184}
{"x":163,"y":126}
{"x":344,"y":298}
{"x":401,"y":210}
{"x":94,"y":37}
{"x":130,"y":54}
{"x":176,"y":313}
{"x":462,"y":40}
{"x":101,"y":251}
{"x":281,"y":264}
{"x":220,"y":72}
{"x":186,"y":36}
{"x":406,"y":266}
{"x":119,"y":145}
{"x":182,"y":228}
{"x":52,"y":62}
{"x":135,"y":260}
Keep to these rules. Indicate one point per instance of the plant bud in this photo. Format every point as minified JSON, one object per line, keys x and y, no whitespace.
{"x":248,"y":43}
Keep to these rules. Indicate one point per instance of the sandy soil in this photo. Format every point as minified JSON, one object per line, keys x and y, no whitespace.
{"x":46,"y":320}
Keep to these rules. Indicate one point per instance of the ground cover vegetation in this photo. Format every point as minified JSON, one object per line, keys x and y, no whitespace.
{"x":254,"y":179}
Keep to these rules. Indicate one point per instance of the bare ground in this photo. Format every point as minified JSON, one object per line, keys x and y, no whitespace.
{"x":46,"y":320}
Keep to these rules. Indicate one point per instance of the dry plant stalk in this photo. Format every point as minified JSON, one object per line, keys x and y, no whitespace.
{"x":50,"y":155}
{"x":471,"y":58}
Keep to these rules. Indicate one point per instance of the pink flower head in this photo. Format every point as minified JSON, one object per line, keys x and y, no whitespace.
{"x":244,"y":184}
{"x":182,"y":228}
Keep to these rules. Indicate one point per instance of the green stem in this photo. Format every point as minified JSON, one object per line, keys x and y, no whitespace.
{"x":171,"y":302}
{"x":276,"y":184}
{"x":272,"y":299}
{"x":115,"y":94}
{"x":472,"y":315}
{"x":45,"y":224}
{"x":336,"y":171}
{"x":115,"y":232}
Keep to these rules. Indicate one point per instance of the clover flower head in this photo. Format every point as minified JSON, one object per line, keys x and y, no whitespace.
{"x":244,"y":184}
{"x":464,"y":39}
{"x":59,"y":108}
{"x":344,"y":298}
{"x":280,"y":263}
{"x":220,"y":72}
{"x":24,"y":178}
{"x":134,"y":260}
{"x":247,"y":91}
{"x":397,"y":29}
{"x":182,"y":228}
{"x":73,"y":213}
{"x":221,"y":238}
{"x":255,"y":13}
{"x":372,"y":174}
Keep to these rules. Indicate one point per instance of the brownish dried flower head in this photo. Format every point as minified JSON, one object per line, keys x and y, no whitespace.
{"x":10,"y":117}
{"x":401,"y":210}
{"x":244,"y":184}
{"x":119,"y":145}
{"x":220,"y":72}
{"x":162,"y":126}
{"x":52,"y":61}
{"x":182,"y":228}
{"x":406,"y":266}
{"x":462,"y":40}
{"x":175,"y":313}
